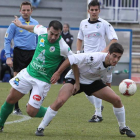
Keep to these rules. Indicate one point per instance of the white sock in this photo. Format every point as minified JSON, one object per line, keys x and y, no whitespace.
{"x":90,"y":98}
{"x":120,"y":115}
{"x":98,"y":104}
{"x":49,"y":115}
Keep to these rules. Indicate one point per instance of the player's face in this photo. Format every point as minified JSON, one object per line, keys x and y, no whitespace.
{"x":94,"y":12}
{"x":26,"y":12}
{"x":114,"y":58}
{"x":53,"y":34}
{"x":65,"y":28}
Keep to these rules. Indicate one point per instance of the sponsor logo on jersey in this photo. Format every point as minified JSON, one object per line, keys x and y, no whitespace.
{"x":91,"y":58}
{"x":43,"y":35}
{"x":6,"y":35}
{"x":21,"y":31}
{"x":85,"y":26}
{"x":42,"y":42}
{"x":95,"y":34}
{"x":99,"y":68}
{"x":68,"y":49}
{"x":52,"y":49}
{"x":37,"y":97}
{"x":16,"y":81}
{"x":98,"y":26}
{"x":67,"y":40}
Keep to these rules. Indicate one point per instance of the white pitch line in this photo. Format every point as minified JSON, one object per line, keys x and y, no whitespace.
{"x":24,"y":118}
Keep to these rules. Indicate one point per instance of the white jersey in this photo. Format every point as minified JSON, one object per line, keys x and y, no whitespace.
{"x":91,"y":67}
{"x":94,"y":34}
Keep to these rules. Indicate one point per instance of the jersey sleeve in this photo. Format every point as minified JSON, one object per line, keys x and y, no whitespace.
{"x":39,"y":29}
{"x":9,"y":35}
{"x":80,"y":33}
{"x":110,"y":32}
{"x":65,"y":50}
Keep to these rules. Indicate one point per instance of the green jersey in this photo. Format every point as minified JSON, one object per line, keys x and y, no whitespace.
{"x":47,"y":56}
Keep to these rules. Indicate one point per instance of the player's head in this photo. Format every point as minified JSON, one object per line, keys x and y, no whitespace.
{"x":26,"y":10}
{"x":115,"y":52}
{"x":54,"y":30}
{"x":66,"y":27}
{"x":94,"y":10}
{"x":116,"y":47}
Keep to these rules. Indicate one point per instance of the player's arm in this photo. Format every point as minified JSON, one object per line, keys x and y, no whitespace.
{"x":79,"y":45}
{"x":9,"y":35}
{"x":57,"y":74}
{"x":76,"y":75}
{"x":107,"y":48}
{"x":18,"y":23}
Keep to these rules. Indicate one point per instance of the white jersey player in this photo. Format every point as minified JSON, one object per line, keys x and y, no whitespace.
{"x":95,"y":74}
{"x":92,"y":33}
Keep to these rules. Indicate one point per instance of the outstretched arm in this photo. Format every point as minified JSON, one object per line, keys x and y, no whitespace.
{"x":17,"y":22}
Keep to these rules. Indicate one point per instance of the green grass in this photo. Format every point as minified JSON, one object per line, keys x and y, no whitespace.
{"x":71,"y":122}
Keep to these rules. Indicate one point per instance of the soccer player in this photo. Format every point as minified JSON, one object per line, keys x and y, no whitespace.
{"x":24,"y":43}
{"x":50,"y":51}
{"x":92,"y":32}
{"x":95,"y":79}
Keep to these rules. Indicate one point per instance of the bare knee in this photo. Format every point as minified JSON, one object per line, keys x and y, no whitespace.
{"x":58,"y":103}
{"x":117,"y":102}
{"x":31,"y":111}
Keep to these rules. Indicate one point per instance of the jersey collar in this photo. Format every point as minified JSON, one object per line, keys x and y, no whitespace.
{"x":92,"y":22}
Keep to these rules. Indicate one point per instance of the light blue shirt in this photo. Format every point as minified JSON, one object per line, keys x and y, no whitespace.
{"x":23,"y":39}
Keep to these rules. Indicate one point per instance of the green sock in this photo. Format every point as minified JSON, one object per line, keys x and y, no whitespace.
{"x":41,"y":112}
{"x":5,"y":111}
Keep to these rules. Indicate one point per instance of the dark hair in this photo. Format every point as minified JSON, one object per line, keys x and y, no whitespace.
{"x":25,"y":3}
{"x":116,"y":47}
{"x":94,"y":3}
{"x":56,"y":25}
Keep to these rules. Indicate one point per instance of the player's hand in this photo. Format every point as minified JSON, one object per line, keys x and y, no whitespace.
{"x":76,"y":88}
{"x":9,"y":62}
{"x":55,"y":78}
{"x":17,"y":22}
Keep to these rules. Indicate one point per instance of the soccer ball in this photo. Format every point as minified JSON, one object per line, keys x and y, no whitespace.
{"x":127,"y":87}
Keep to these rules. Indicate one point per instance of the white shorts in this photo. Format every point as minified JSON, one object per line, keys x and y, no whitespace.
{"x":23,"y":83}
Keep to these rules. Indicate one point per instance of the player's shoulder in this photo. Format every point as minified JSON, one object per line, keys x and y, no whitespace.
{"x":12,"y":26}
{"x":103,"y":21}
{"x":84,"y":21}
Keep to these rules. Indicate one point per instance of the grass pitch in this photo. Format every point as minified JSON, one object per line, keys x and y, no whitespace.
{"x":71,"y":122}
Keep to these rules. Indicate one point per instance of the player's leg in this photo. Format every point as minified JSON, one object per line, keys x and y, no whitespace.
{"x":64,"y":94}
{"x":7,"y":107}
{"x":39,"y":92}
{"x":18,"y":90}
{"x":109,"y":95}
{"x":97,"y":117}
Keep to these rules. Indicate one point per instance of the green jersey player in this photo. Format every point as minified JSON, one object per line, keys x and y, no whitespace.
{"x":50,"y":51}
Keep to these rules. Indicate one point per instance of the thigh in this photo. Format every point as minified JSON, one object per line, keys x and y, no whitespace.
{"x":39,"y":92}
{"x":66,"y":91}
{"x":14,"y":96}
{"x":106,"y":94}
{"x":64,"y":94}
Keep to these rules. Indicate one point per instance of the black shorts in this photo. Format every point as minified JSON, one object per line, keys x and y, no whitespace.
{"x":88,"y":89}
{"x":21,"y":58}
